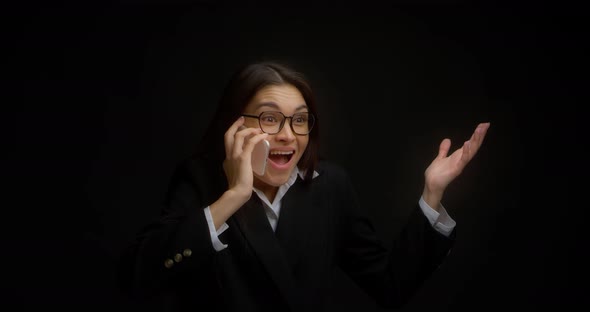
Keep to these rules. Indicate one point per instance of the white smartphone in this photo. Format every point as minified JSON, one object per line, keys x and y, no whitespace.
{"x":259,"y":156}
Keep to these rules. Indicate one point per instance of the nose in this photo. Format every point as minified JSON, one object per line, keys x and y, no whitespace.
{"x":286,"y":134}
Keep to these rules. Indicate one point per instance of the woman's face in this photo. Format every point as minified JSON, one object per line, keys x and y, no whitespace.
{"x":286,"y":147}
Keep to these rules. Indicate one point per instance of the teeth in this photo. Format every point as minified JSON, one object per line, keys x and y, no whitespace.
{"x":281,"y":152}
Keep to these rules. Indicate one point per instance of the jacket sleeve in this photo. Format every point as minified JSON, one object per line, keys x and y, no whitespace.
{"x":389,"y":274}
{"x":175,"y":247}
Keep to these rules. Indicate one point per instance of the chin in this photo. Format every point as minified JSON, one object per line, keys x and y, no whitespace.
{"x":274,"y":179}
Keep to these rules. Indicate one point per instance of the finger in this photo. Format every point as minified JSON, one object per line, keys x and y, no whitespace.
{"x":238,"y":141}
{"x":230,"y":135}
{"x":252,"y":141}
{"x":482,"y":130}
{"x":477,"y":137}
{"x":241,"y":137}
{"x":444,"y":147}
{"x":466,"y":155}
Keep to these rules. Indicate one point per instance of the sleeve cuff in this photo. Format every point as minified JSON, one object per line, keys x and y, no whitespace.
{"x":440,"y":220}
{"x":217,"y":244}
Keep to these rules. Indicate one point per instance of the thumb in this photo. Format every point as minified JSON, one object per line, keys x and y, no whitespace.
{"x":444,"y":147}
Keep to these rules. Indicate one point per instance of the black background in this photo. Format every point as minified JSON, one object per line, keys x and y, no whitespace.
{"x":103,"y":98}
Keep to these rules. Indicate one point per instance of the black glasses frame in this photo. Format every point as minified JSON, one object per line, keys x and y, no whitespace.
{"x":310,"y":125}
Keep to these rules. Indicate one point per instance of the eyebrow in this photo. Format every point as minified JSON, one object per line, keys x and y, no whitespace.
{"x":276,"y":106}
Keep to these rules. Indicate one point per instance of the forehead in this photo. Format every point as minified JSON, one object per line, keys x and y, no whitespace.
{"x":278,"y":97}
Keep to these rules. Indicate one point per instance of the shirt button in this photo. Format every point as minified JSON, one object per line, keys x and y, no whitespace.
{"x":177,"y":257}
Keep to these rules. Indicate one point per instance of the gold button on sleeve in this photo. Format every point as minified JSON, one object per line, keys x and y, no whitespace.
{"x":168,"y":263}
{"x":177,"y":257}
{"x":187,"y":252}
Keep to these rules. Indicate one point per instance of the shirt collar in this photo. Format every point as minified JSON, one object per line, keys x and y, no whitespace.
{"x":302,"y":174}
{"x":294,"y":174}
{"x":283,"y":188}
{"x":275,"y":207}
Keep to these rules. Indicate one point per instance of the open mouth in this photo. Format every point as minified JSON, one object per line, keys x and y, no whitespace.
{"x":280,"y":157}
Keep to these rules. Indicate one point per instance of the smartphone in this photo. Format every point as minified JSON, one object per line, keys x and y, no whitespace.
{"x":259,"y":155}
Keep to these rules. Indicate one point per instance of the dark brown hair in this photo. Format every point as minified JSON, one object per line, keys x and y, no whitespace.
{"x":241,"y":88}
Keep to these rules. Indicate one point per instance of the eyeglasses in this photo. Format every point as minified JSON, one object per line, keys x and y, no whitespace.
{"x":273,"y":122}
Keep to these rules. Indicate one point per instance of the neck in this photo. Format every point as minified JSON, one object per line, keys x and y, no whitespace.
{"x":269,"y":191}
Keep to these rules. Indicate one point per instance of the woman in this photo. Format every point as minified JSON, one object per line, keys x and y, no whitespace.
{"x":236,"y":241}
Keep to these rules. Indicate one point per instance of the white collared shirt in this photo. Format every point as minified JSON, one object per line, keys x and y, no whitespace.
{"x":440,"y":220}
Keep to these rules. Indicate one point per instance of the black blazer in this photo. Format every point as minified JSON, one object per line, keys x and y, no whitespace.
{"x":321,"y":227}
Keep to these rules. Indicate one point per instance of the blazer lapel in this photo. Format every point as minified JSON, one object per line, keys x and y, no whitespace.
{"x":253,"y":222}
{"x":296,"y":221}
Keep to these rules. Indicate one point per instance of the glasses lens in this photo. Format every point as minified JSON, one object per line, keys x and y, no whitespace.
{"x":270,"y":122}
{"x":302,"y":123}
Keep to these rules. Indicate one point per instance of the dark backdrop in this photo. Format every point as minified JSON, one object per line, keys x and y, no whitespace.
{"x":103,"y":99}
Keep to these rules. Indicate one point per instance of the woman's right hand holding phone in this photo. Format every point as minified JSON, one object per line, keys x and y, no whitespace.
{"x":239,"y":143}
